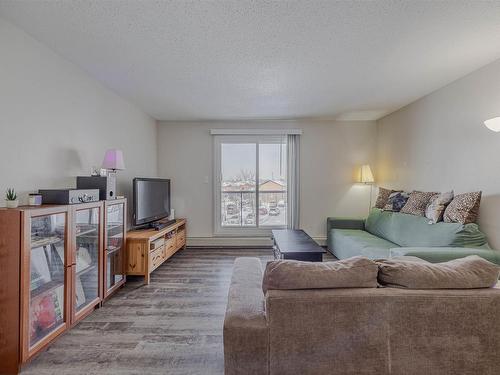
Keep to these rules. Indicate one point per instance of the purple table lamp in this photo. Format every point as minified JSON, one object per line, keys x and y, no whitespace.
{"x":113,"y":160}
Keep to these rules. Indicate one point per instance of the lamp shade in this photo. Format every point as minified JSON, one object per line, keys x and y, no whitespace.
{"x":113,"y":159}
{"x":493,"y":124}
{"x":366,"y":175}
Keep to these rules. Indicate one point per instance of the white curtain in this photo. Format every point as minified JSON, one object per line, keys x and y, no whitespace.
{"x":293,"y":180}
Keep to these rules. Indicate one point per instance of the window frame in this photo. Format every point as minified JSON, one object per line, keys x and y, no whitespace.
{"x":241,"y":231}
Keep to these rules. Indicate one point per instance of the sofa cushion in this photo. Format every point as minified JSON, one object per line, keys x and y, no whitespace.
{"x":417,"y":203}
{"x":355,"y":272}
{"x":463,"y":209}
{"x":396,"y":201}
{"x":382,"y":197}
{"x":435,"y":209}
{"x":414,"y":231}
{"x":346,"y":243}
{"x":463,"y":273}
{"x":445,"y":254}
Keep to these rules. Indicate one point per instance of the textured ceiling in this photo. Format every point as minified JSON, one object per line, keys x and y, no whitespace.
{"x":184,"y":60}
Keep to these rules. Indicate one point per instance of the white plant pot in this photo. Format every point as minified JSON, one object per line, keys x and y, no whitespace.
{"x":12,"y":204}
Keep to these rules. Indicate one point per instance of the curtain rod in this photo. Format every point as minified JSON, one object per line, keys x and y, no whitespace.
{"x":255,"y":131}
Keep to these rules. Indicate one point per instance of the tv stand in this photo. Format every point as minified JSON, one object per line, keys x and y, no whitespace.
{"x":148,"y":249}
{"x":159,"y":225}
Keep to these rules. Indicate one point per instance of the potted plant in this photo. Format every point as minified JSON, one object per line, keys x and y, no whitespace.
{"x":11,"y":200}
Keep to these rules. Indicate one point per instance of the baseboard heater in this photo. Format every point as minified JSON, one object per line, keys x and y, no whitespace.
{"x":237,"y":242}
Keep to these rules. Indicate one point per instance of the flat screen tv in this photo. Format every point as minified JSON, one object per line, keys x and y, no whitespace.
{"x":151,"y":200}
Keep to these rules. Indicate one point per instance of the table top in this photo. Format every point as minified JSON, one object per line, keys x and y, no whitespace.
{"x":295,"y":241}
{"x":153,"y":234}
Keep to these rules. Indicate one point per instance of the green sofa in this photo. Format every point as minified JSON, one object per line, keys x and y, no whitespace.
{"x":386,"y":234}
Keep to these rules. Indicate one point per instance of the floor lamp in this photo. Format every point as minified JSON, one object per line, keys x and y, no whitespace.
{"x":366,"y":177}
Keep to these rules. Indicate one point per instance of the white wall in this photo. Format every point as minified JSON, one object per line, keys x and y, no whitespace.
{"x":440,"y":143}
{"x":56,"y":121}
{"x":330,"y":153}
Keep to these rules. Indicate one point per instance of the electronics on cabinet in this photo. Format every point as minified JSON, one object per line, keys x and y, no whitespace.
{"x":105,"y":184}
{"x":69,"y":196}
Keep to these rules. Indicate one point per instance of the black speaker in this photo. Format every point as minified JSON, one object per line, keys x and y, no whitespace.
{"x":105,"y":184}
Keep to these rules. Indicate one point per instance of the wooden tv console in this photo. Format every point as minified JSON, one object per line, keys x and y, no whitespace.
{"x":147,"y":249}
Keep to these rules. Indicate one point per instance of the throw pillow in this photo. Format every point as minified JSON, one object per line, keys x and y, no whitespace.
{"x":463,"y":273}
{"x":355,"y":272}
{"x":463,"y":209}
{"x":435,"y":209}
{"x":382,"y":197}
{"x":417,"y":202}
{"x":396,"y":201}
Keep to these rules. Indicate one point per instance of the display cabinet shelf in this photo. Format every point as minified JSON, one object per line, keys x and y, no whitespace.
{"x":87,"y":270}
{"x":41,"y":242}
{"x":54,"y":272}
{"x":45,"y":288}
{"x":113,"y":249}
{"x":87,"y":232}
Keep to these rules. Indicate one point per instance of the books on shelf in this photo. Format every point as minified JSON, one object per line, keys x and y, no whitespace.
{"x":56,"y":260}
{"x":40,"y":273}
{"x":46,"y":313}
{"x":80,"y":293}
{"x":83,"y":259}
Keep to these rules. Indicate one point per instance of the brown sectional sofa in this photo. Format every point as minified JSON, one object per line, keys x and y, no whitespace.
{"x":358,"y":330}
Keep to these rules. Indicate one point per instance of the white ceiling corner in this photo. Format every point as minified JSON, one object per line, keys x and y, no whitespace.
{"x":225,"y":60}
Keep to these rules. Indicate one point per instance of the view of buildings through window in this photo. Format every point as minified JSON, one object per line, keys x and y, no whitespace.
{"x":253,"y":184}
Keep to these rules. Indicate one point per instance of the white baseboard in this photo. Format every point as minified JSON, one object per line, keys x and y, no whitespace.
{"x":321,"y":241}
{"x":238,"y":241}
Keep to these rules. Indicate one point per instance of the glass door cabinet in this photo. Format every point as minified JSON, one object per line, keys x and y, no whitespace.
{"x":86,"y":258}
{"x":58,"y":264}
{"x":114,"y":254}
{"x":45,"y":264}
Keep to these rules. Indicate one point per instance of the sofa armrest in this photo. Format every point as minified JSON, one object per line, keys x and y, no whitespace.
{"x":344,"y":223}
{"x":341,"y":223}
{"x":444,"y":254}
{"x":246,"y":341}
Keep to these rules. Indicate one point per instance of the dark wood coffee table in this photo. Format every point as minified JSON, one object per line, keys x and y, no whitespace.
{"x":297,"y":245}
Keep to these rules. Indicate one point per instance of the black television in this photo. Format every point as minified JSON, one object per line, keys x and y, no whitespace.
{"x":151,"y":200}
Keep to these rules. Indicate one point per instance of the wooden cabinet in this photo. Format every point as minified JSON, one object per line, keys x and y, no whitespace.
{"x":86,"y":258}
{"x":114,"y":245}
{"x":45,"y":277}
{"x":53,"y":272}
{"x":148,"y":248}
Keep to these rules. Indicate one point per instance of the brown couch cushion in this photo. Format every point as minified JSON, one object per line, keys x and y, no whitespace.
{"x":355,"y":272}
{"x":464,"y":273}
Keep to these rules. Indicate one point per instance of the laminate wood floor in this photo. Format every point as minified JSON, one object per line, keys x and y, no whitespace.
{"x":172,"y":326}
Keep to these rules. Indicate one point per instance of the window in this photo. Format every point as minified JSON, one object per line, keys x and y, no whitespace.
{"x":251,"y":184}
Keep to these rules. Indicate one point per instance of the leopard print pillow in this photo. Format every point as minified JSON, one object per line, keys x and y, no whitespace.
{"x":463,"y":209}
{"x":417,"y":202}
{"x":383,"y":197}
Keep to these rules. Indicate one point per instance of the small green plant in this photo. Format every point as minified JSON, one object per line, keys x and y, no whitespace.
{"x":10,"y":195}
